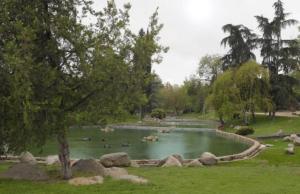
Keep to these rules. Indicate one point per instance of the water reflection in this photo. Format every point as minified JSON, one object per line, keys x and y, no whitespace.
{"x":188,"y":143}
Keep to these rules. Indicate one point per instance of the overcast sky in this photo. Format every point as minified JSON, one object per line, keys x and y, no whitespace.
{"x":193,"y":28}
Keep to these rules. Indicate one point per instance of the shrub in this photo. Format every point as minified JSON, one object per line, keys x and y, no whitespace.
{"x":158,"y":113}
{"x":245,"y":130}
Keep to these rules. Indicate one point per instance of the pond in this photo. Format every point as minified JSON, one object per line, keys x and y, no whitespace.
{"x":188,"y":142}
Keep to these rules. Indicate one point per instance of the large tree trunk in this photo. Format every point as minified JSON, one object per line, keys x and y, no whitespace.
{"x":64,"y":156}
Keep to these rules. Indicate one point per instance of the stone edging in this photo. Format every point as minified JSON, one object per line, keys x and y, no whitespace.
{"x":250,"y":152}
{"x":254,"y":148}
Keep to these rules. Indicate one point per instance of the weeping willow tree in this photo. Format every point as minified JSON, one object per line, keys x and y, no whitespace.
{"x":241,"y":91}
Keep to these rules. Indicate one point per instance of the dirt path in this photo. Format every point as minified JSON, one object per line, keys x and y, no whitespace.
{"x":284,"y":114}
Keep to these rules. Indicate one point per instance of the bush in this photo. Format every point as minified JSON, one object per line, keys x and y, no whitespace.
{"x":158,"y":113}
{"x":245,"y":130}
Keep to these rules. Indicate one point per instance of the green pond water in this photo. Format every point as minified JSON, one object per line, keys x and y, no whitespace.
{"x":190,"y":143}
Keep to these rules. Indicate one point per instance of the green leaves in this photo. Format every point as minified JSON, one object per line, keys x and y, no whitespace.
{"x":243,"y":90}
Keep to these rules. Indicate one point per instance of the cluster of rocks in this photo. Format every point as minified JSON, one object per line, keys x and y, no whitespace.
{"x":109,"y":165}
{"x":295,"y":139}
{"x":175,"y":160}
{"x":150,"y":138}
{"x":26,"y":169}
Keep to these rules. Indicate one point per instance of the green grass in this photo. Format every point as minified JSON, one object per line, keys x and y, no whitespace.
{"x":264,"y":125}
{"x":271,"y":172}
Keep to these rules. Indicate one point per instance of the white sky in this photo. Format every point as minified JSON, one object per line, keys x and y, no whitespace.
{"x":193,"y":28}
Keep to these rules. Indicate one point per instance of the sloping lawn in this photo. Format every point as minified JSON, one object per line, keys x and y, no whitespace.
{"x":266,"y":126}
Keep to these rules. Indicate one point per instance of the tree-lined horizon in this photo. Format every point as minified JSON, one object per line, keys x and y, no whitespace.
{"x":56,"y":71}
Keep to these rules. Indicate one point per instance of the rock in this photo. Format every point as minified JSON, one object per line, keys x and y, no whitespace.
{"x":25,"y":171}
{"x":120,"y":159}
{"x":27,"y":157}
{"x":290,"y":150}
{"x":290,"y":145}
{"x":88,"y":166}
{"x":107,"y":130}
{"x":151,"y":138}
{"x":293,"y":136}
{"x":297,"y":141}
{"x":279,"y":132}
{"x":133,"y":179}
{"x":51,"y":160}
{"x":177,"y":156}
{"x":134,"y":164}
{"x":262,"y":147}
{"x":115,"y":172}
{"x":172,"y":162}
{"x":86,"y":180}
{"x":195,"y":163}
{"x":287,"y":138}
{"x":208,"y":159}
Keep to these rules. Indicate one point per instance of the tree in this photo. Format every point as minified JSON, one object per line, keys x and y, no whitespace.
{"x":196,"y":93}
{"x":241,"y":42}
{"x":173,"y":98}
{"x":241,"y":91}
{"x":279,"y":55}
{"x":56,"y":71}
{"x":209,"y":67}
{"x":252,"y":80}
{"x":44,"y":54}
{"x":146,"y":52}
{"x":225,"y":96}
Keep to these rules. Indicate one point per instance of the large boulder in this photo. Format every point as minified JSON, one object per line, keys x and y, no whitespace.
{"x":293,"y":137}
{"x":133,"y":179}
{"x":172,"y":162}
{"x":287,"y":139}
{"x":290,"y":150}
{"x":27,"y":157}
{"x":279,"y":133}
{"x":86,"y":180}
{"x":51,"y":160}
{"x":177,"y":156}
{"x":88,"y":166}
{"x":25,"y":171}
{"x":120,"y":159}
{"x":115,"y":172}
{"x":208,"y":159}
{"x":296,"y":141}
{"x":194,"y":163}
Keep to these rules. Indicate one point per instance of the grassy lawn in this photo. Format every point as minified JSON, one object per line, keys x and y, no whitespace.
{"x":271,"y":172}
{"x":264,"y":125}
{"x":267,"y":126}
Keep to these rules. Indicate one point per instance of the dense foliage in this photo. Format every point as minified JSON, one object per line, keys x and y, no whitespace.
{"x":55,"y":71}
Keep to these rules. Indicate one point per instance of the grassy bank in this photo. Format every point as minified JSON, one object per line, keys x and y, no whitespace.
{"x":271,"y":172}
